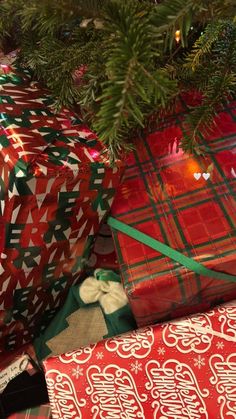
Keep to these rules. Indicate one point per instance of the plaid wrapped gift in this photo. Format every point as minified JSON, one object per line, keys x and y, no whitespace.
{"x":177,"y":370}
{"x":39,"y":412}
{"x":56,"y":186}
{"x":187,"y":203}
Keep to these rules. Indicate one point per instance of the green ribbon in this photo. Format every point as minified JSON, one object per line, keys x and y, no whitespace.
{"x":106,"y":275}
{"x":173,"y":254}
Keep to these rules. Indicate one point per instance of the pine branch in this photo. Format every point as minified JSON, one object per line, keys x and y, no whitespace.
{"x":221,"y":85}
{"x":130,"y":71}
{"x":204,"y":43}
{"x":172,"y":15}
{"x":132,"y":78}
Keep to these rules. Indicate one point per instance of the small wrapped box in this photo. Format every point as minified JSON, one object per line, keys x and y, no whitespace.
{"x":56,"y":185}
{"x":22,"y":384}
{"x":40,"y":412}
{"x":16,"y":362}
{"x":182,"y":369}
{"x":103,"y":254}
{"x":187,"y":204}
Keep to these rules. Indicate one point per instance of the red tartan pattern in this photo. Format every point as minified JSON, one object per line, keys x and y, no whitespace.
{"x":40,"y":412}
{"x":161,"y":198}
{"x":55,"y":189}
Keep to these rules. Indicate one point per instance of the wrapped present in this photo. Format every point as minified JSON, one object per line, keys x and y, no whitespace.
{"x":40,"y":412}
{"x":7,"y":358}
{"x":183,"y":211}
{"x":16,"y":363}
{"x":22,"y":382}
{"x":99,"y":301}
{"x":103,"y":254}
{"x":56,"y":187}
{"x":182,"y":369}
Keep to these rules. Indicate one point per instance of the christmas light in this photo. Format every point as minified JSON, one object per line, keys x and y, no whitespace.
{"x":5,"y":68}
{"x":177,"y":36}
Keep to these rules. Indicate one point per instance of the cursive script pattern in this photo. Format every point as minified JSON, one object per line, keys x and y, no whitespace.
{"x":114,"y":393}
{"x":81,"y":356}
{"x":228,"y":319}
{"x":175,"y":391}
{"x":185,"y":337}
{"x":224,"y":379}
{"x":62,"y":396}
{"x":135,"y":344}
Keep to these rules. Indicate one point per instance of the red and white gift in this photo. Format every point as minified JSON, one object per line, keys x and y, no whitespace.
{"x":182,"y":369}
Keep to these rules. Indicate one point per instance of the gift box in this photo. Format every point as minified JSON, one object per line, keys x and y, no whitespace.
{"x":181,"y":369}
{"x":187,"y":204}
{"x":56,"y":187}
{"x":7,"y":358}
{"x":40,"y":412}
{"x":15,"y":363}
{"x":22,"y":382}
{"x":96,"y":309}
{"x":103,"y":254}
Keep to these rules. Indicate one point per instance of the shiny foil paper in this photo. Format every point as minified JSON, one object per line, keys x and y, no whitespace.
{"x":186,"y":202}
{"x":56,"y":186}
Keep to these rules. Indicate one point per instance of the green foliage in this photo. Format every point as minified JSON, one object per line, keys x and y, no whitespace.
{"x":134,"y":65}
{"x":134,"y":83}
{"x":214,"y":56}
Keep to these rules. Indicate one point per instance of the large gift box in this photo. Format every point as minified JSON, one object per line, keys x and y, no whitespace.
{"x":56,"y":185}
{"x":182,"y":369}
{"x":188,"y":205}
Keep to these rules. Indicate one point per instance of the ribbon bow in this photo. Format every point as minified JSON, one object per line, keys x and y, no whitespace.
{"x":105,"y":289}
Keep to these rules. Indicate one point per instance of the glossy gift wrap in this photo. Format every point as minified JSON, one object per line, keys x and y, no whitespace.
{"x":56,"y":187}
{"x":177,"y":370}
{"x":187,"y":203}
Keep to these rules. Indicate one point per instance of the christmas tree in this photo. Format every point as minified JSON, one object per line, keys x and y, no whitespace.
{"x":123,"y":60}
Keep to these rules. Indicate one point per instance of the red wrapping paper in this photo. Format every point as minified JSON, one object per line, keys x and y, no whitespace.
{"x":11,"y":356}
{"x":161,"y":196}
{"x":56,"y":186}
{"x":103,"y":253}
{"x":177,"y":370}
{"x":40,"y":412}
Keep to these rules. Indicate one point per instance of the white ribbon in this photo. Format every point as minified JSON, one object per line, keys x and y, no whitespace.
{"x":109,"y":294}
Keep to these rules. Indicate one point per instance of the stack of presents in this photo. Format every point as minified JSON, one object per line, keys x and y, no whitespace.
{"x":118,"y":283}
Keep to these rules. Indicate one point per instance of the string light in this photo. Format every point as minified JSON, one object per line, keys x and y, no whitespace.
{"x":177,"y":36}
{"x":5,"y":68}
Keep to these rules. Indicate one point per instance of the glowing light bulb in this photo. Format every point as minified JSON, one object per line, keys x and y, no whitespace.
{"x":177,"y":35}
{"x":5,"y":68}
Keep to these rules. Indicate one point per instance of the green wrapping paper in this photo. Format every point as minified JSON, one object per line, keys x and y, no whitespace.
{"x":102,"y":310}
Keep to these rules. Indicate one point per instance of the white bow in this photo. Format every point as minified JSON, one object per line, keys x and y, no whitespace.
{"x":109,"y":294}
